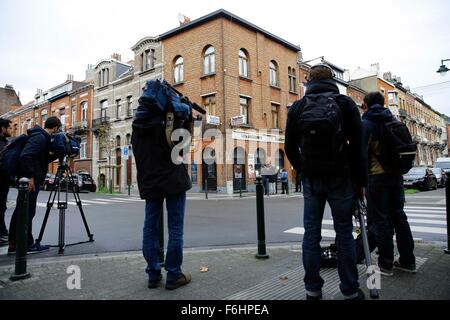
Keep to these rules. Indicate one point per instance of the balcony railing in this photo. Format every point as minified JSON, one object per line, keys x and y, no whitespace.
{"x":96,"y":123}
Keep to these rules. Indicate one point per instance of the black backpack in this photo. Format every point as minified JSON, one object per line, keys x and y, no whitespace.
{"x":9,"y":156}
{"x":321,"y":135}
{"x":397,"y":150}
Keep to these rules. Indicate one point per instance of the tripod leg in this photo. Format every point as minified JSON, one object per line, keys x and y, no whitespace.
{"x":76,"y":195}
{"x":50,"y":203}
{"x":370,"y":270}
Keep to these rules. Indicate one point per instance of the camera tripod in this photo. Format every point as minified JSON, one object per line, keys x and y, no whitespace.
{"x":63,"y":168}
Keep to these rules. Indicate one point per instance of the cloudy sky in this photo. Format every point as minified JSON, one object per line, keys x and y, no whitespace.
{"x":44,"y":40}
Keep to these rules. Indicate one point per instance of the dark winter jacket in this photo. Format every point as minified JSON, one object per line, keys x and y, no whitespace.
{"x":372,"y":135}
{"x":354,"y":152}
{"x":157,"y":175}
{"x":35,"y":156}
{"x":3,"y":142}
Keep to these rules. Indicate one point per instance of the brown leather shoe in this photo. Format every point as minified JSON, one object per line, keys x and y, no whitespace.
{"x":182,"y":281}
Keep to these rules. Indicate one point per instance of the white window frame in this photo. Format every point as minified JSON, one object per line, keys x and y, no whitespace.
{"x":243,"y":108}
{"x":83,"y":145}
{"x":273,"y":74}
{"x":209,"y":60}
{"x":178,"y":70}
{"x":243,"y":64}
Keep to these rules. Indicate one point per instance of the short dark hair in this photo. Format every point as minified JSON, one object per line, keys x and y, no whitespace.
{"x":373,"y":98}
{"x":4,"y":123}
{"x":52,"y":122}
{"x":321,"y":72}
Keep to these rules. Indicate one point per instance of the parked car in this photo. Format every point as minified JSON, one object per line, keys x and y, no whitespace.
{"x":85,"y":181}
{"x":443,"y":163}
{"x":421,"y":178}
{"x":440,"y":176}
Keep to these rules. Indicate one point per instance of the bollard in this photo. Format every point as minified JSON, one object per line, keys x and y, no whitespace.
{"x":240,"y":188}
{"x":129,"y":189}
{"x":447,"y":206}
{"x":206,"y":188}
{"x":161,"y":236}
{"x":260,"y":219}
{"x":20,"y":271}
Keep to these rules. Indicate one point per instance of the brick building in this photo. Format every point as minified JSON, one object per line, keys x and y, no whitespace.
{"x":246,"y":78}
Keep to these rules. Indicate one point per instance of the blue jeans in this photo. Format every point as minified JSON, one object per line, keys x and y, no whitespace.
{"x":385,"y":214}
{"x":339,"y":193}
{"x":175,"y":205}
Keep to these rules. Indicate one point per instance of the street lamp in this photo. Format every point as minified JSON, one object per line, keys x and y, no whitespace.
{"x":443,"y":68}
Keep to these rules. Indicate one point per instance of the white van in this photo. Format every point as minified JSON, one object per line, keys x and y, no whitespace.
{"x":443,"y":163}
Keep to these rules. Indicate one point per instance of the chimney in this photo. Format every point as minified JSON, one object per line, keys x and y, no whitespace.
{"x":375,"y":68}
{"x":387,"y":76}
{"x":116,"y":56}
{"x":9,"y":87}
{"x":70,"y":77}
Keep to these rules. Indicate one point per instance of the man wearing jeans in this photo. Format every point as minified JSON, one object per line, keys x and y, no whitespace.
{"x":5,"y":132}
{"x":160,"y":178}
{"x":386,"y":195}
{"x":330,"y":159}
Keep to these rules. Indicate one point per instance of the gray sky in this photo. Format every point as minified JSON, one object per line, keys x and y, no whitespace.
{"x":44,"y":40}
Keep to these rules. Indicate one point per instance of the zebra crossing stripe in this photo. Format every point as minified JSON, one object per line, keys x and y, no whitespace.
{"x":94,"y":202}
{"x":424,"y":211}
{"x":128,"y":199}
{"x":110,"y":200}
{"x":55,"y":204}
{"x":421,"y":215}
{"x":427,"y":221}
{"x":425,"y":208}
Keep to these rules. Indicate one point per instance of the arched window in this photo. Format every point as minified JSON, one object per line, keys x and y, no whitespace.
{"x":243,"y":64}
{"x":117,"y":141}
{"x":128,"y":139}
{"x":273,"y":73}
{"x":178,"y":70}
{"x":209,"y":60}
{"x":279,"y":159}
{"x":260,"y":159}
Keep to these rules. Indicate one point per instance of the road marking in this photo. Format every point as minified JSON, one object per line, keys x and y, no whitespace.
{"x":118,"y":201}
{"x":424,"y":208}
{"x":128,"y":199}
{"x":94,"y":202}
{"x":429,"y":211}
{"x":429,"y":230}
{"x":421,"y":215}
{"x":426,"y":221}
{"x":55,"y":204}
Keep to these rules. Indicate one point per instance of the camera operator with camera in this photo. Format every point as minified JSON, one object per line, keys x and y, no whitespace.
{"x":162,"y":110}
{"x":33,"y":164}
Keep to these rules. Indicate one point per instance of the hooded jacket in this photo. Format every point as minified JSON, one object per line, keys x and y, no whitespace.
{"x":157,"y":175}
{"x":35,"y":157}
{"x":354,"y":153}
{"x":372,"y":135}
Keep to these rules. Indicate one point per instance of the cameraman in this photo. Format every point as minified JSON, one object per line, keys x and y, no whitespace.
{"x":33,"y":164}
{"x":158,"y":178}
{"x":5,"y":132}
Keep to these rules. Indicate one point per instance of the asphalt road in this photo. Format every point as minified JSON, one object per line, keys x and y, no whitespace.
{"x":117,"y":220}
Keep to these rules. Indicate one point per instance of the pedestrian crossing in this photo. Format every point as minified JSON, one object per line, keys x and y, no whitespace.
{"x":86,"y":203}
{"x":424,"y":222}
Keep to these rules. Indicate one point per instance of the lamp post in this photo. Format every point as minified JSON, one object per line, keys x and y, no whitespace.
{"x":443,"y":68}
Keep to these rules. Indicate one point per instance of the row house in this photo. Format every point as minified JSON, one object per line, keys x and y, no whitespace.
{"x":426,"y":125}
{"x":246,"y":78}
{"x":117,"y":88}
{"x":71,"y":102}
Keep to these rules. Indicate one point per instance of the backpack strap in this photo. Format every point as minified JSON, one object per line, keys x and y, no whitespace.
{"x":169,"y":128}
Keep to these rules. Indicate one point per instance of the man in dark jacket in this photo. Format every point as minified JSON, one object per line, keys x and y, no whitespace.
{"x":160,"y":178}
{"x":33,"y":164}
{"x":5,"y":132}
{"x":338,"y":183}
{"x":385,"y":196}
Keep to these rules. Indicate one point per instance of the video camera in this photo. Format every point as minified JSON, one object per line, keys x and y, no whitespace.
{"x":63,"y":144}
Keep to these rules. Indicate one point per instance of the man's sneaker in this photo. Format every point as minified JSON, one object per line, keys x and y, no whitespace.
{"x":154,"y":283}
{"x":37,"y":248}
{"x":357,"y":296}
{"x":386,"y":272}
{"x":408,"y":268}
{"x":183,"y":280}
{"x":314,"y":296}
{"x":11,"y":250}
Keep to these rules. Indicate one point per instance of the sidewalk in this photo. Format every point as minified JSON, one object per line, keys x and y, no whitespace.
{"x":233,"y":274}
